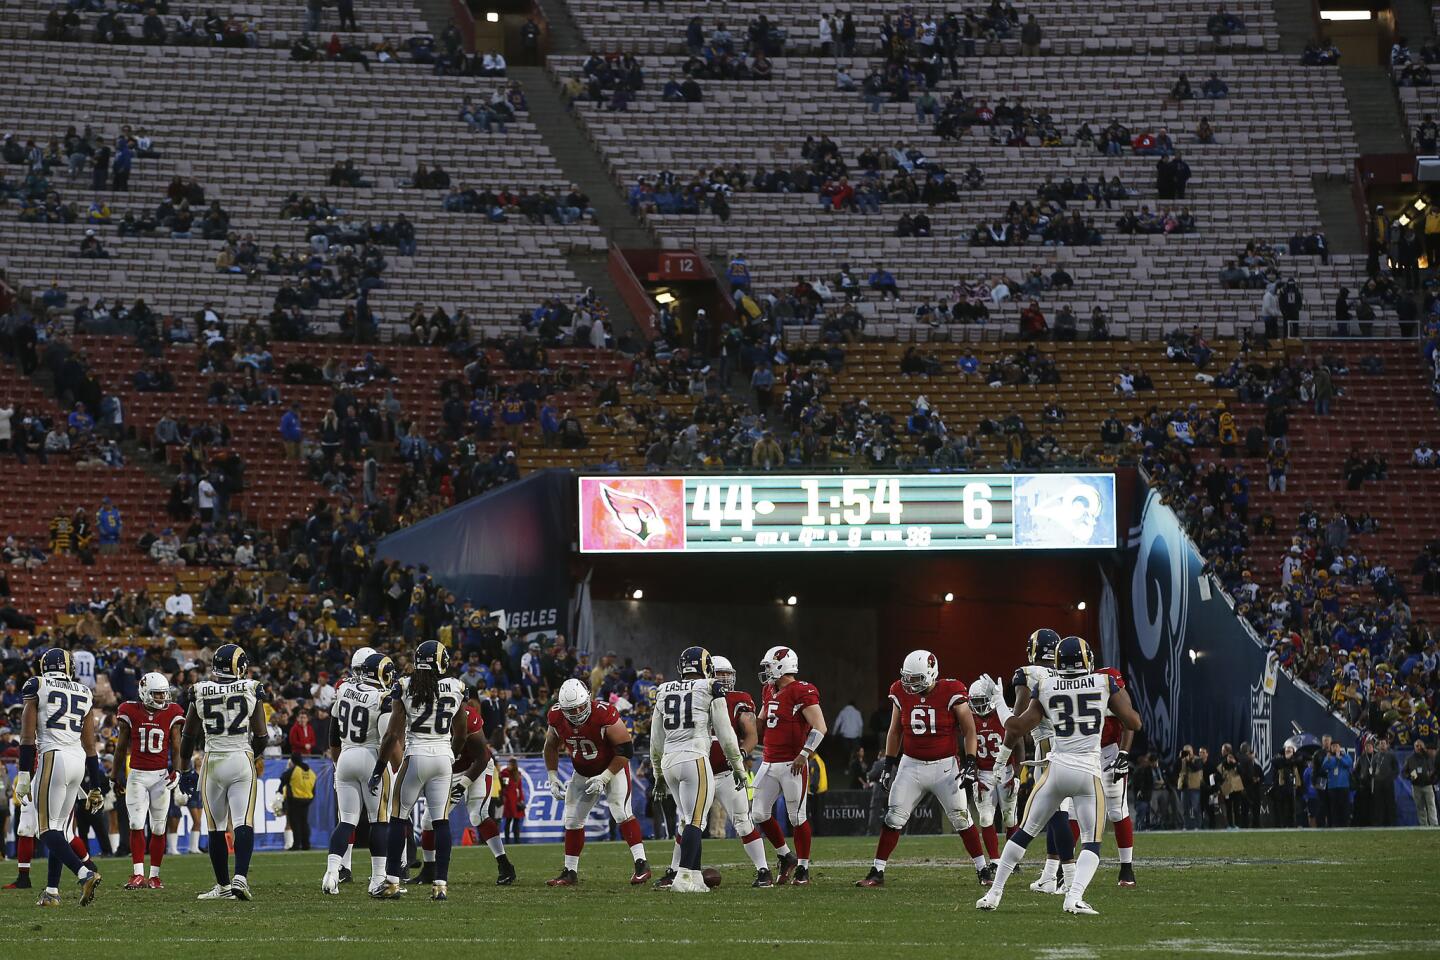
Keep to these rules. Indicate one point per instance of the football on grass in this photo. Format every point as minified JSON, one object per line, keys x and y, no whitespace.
{"x":712,"y":877}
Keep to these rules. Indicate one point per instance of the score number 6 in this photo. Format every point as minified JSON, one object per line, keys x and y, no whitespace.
{"x":975,"y":500}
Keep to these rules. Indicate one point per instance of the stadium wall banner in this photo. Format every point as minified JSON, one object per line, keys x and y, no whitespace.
{"x":506,"y":549}
{"x":776,"y":513}
{"x":1196,"y":671}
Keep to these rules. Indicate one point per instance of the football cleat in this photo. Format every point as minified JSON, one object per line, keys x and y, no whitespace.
{"x":136,"y":882}
{"x":802,"y":877}
{"x":506,"y":872}
{"x":875,"y":878}
{"x":1127,"y":874}
{"x":330,"y":883}
{"x":21,"y":882}
{"x":1080,"y":907}
{"x":426,"y":874}
{"x":217,"y":892}
{"x":788,"y":863}
{"x":567,"y":878}
{"x":155,"y":884}
{"x":1044,"y":885}
{"x":240,"y":888}
{"x":666,"y":879}
{"x":763,"y":878}
{"x":345,"y":875}
{"x":437,"y":892}
{"x":387,"y":891}
{"x":48,"y":899}
{"x":987,"y":875}
{"x":641,"y":875}
{"x":88,"y":887}
{"x":991,"y":901}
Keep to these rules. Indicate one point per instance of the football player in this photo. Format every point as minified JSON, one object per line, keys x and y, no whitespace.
{"x":600,"y":748}
{"x":57,"y":740}
{"x":146,"y":744}
{"x":690,"y":712}
{"x":475,"y":779}
{"x":1074,"y":700}
{"x":997,"y":787}
{"x":1059,"y":842}
{"x":735,"y":800}
{"x":1115,"y":743}
{"x":794,"y":727}
{"x":358,"y":659}
{"x":427,"y":720}
{"x":361,"y":711}
{"x":920,"y":757}
{"x":229,"y":710}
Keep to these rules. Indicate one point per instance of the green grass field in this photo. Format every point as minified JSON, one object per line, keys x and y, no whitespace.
{"x":1291,"y":895}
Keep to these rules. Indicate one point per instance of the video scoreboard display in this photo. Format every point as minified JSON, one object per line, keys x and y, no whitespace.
{"x":773,"y":513}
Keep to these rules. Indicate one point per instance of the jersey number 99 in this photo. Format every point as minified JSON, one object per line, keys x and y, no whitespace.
{"x":354,"y":721}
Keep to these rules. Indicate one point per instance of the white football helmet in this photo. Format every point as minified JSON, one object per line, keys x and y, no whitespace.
{"x":777,"y":662}
{"x":919,"y":671}
{"x":154,"y":690}
{"x":723,"y":671}
{"x":360,"y":656}
{"x":574,"y":700}
{"x":983,"y":693}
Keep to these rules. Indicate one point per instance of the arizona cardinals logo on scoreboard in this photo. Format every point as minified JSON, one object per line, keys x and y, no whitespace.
{"x":807,"y":513}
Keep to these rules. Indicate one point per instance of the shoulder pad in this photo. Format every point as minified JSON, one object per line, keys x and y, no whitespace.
{"x":716,"y":690}
{"x":1020,"y":679}
{"x":387,"y":703}
{"x":896,"y":689}
{"x":606,"y":712}
{"x":31,"y":690}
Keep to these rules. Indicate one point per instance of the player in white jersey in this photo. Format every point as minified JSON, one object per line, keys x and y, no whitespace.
{"x":425,"y":718}
{"x":1074,"y":700}
{"x":227,"y":709}
{"x":57,"y":742}
{"x":1059,"y":843}
{"x":360,"y":712}
{"x":358,"y":660}
{"x":688,"y":712}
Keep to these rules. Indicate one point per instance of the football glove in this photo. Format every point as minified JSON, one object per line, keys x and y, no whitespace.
{"x":657,"y":792}
{"x":170,"y":778}
{"x":597,"y":784}
{"x":189,"y":783}
{"x":119,"y":783}
{"x":968,"y":773}
{"x":22,"y":786}
{"x":742,"y":778}
{"x":94,"y":800}
{"x":459,"y":787}
{"x":887,"y":776}
{"x":278,"y":806}
{"x":374,"y":784}
{"x":556,"y":786}
{"x":182,"y":799}
{"x":1121,"y":769}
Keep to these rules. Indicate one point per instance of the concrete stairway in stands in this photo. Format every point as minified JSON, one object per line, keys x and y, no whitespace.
{"x":1414,"y":21}
{"x":1374,"y":109}
{"x":1297,"y":27}
{"x":581,"y":164}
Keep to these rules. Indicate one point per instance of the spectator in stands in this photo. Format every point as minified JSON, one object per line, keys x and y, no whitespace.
{"x":1223,"y":23}
{"x":291,"y":433}
{"x":1322,"y":54}
{"x":346,"y":11}
{"x":882,"y":281}
{"x":1030,"y":37}
{"x":1181,"y":90}
{"x":1424,"y":456}
{"x":1214,"y":88}
{"x":301,"y":736}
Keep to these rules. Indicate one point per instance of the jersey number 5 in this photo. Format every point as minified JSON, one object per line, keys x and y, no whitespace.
{"x":1081,"y":715}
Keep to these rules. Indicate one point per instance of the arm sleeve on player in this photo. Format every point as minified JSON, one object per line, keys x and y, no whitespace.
{"x":725,"y":733}
{"x":812,"y":740}
{"x":626,"y":749}
{"x":334,"y":734}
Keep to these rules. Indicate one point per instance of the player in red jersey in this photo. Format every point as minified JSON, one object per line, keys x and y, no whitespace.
{"x":600,"y":748}
{"x":794,"y":726}
{"x":997,"y":789}
{"x":476,"y":780}
{"x":741,"y":707}
{"x":147,"y":746}
{"x":1115,"y":762}
{"x":929,"y":725}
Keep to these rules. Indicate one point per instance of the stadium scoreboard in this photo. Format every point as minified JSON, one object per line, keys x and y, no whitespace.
{"x":774,"y":513}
